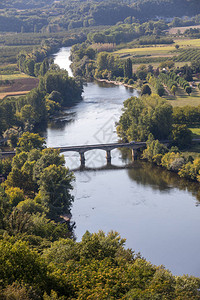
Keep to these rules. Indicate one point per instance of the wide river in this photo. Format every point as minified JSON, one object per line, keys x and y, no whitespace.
{"x":157,"y":213}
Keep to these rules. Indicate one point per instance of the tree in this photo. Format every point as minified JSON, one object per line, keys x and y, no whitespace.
{"x":15,"y":195}
{"x":173,"y":89}
{"x":37,"y":111}
{"x":29,"y":67}
{"x":56,"y":96}
{"x":145,"y":90}
{"x":29,"y":141}
{"x":145,"y":115}
{"x":154,"y":147}
{"x":181,"y":135}
{"x":12,"y":135}
{"x":160,"y":90}
{"x":128,"y":72}
{"x":48,"y":157}
{"x":58,"y":80}
{"x":18,"y":262}
{"x":188,"y":90}
{"x":55,"y":185}
{"x":141,"y":72}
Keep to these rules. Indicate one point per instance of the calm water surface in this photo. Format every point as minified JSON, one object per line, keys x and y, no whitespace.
{"x":154,"y":210}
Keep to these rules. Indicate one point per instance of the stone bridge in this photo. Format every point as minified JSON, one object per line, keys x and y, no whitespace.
{"x":106,"y":147}
{"x":134,"y":146}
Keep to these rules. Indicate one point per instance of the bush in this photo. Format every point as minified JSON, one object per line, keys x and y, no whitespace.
{"x":146,"y":90}
{"x":181,"y":135}
{"x":130,"y":81}
{"x":188,"y":90}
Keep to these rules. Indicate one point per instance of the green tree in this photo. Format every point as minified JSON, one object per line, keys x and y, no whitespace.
{"x":55,"y":185}
{"x":188,"y":90}
{"x":153,"y":149}
{"x":18,"y":262}
{"x":128,"y":72}
{"x":181,"y":135}
{"x":15,"y":195}
{"x":29,"y":67}
{"x":173,"y":89}
{"x":145,"y":115}
{"x":29,"y":141}
{"x":145,"y":90}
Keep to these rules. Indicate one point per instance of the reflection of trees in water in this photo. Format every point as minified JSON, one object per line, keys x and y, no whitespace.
{"x":148,"y":174}
{"x":61,"y":121}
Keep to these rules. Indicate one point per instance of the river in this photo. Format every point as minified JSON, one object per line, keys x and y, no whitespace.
{"x":156,"y":212}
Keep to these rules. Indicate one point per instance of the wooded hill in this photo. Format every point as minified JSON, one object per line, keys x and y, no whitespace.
{"x":53,"y":16}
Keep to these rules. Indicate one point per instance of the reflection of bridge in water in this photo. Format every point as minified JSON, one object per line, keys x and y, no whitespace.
{"x":108,"y":167}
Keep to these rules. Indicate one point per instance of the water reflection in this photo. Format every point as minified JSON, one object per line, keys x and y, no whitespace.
{"x":61,"y":120}
{"x":157,"y":178}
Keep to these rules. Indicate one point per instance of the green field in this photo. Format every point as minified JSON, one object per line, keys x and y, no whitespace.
{"x":194,"y":149}
{"x":196,"y":132}
{"x":14,"y":76}
{"x":188,"y":42}
{"x":156,"y":65}
{"x":156,"y":50}
{"x":182,"y":98}
{"x":160,"y":50}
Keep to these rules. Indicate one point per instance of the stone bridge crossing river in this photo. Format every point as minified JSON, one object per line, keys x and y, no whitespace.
{"x":134,"y":146}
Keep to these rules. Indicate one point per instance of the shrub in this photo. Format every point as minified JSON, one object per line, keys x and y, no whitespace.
{"x":145,"y":90}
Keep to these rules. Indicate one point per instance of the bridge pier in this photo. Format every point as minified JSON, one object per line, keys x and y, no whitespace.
{"x":108,"y":156}
{"x":82,"y":159}
{"x":134,"y":154}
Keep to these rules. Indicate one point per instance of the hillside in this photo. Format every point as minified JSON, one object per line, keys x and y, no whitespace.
{"x":53,"y":16}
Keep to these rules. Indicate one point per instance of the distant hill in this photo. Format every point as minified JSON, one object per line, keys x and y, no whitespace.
{"x":25,"y":4}
{"x":69,"y":14}
{"x":167,"y":8}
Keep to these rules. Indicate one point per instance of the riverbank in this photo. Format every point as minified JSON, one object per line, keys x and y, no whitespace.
{"x":115,"y":82}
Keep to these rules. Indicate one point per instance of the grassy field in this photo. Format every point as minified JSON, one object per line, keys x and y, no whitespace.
{"x":188,"y":42}
{"x":160,"y":50}
{"x":153,"y":51}
{"x":156,"y":65}
{"x":194,"y":149}
{"x":196,"y":132}
{"x":14,"y":76}
{"x":182,"y":98}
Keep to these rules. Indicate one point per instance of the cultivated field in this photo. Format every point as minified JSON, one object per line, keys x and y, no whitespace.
{"x":146,"y":51}
{"x":160,"y":50}
{"x":19,"y":87}
{"x":175,"y":30}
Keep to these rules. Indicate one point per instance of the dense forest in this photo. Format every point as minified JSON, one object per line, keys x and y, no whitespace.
{"x":53,"y":16}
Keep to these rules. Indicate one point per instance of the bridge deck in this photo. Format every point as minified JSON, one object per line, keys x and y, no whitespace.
{"x":84,"y":148}
{"x":107,"y":147}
